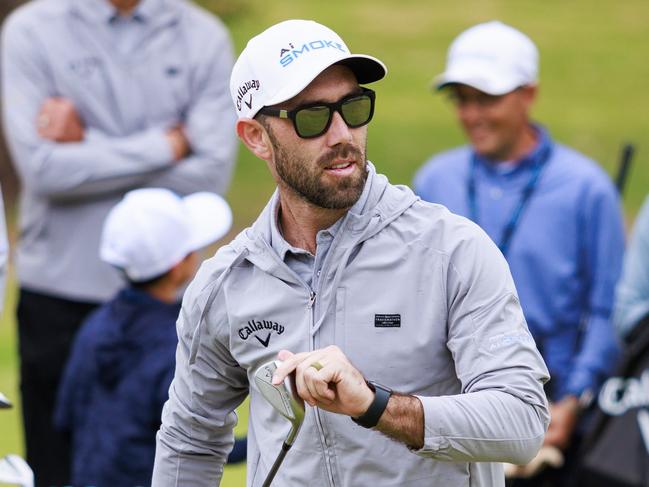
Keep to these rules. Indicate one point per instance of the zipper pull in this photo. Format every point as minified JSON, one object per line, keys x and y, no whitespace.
{"x":311,"y":299}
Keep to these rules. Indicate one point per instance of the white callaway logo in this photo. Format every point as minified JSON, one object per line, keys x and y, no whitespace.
{"x":618,"y":395}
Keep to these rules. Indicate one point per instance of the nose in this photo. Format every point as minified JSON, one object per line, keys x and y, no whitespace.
{"x":469,"y":112}
{"x":338,"y":131}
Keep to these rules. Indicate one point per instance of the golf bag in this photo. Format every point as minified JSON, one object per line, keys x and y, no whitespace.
{"x":616,"y":452}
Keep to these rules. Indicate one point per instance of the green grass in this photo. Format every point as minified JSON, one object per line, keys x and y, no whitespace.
{"x":592,"y":96}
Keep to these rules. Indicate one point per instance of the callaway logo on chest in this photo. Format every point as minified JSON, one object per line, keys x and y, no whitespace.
{"x":258,"y":329}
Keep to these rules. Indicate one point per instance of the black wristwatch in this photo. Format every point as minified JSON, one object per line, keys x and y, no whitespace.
{"x":373,"y":414}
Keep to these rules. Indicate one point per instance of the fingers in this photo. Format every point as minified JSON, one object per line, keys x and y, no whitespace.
{"x":312,"y":381}
{"x":178,"y":142}
{"x":326,"y":379}
{"x":59,"y":121}
{"x":321,"y":384}
{"x":316,"y":386}
{"x":289,"y":363}
{"x":284,"y":355}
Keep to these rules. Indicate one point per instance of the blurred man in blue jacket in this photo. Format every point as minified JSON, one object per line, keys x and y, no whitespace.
{"x":553,"y":212}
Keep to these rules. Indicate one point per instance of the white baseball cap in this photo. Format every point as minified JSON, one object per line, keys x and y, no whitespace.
{"x":150,"y":230}
{"x":491,"y":57}
{"x":281,"y":61}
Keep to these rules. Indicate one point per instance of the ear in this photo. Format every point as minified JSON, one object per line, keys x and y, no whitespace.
{"x":529,"y":95}
{"x":175,"y":272}
{"x":184,"y":270}
{"x":254,"y":136}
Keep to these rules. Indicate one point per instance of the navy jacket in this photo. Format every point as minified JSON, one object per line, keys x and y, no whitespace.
{"x":115,"y":384}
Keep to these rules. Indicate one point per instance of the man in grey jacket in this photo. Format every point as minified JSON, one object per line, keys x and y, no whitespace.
{"x":99,"y":97}
{"x":347,"y":279}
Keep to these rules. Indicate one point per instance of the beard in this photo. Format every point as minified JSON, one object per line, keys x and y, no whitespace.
{"x":307,"y":180}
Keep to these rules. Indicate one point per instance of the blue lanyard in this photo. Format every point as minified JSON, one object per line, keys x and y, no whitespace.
{"x":514,"y":220}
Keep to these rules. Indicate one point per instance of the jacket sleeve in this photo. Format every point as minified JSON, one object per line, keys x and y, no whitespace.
{"x":604,"y":248}
{"x":632,"y":293}
{"x":198,"y":419}
{"x":96,"y":164}
{"x":502,"y":411}
{"x":209,"y":124}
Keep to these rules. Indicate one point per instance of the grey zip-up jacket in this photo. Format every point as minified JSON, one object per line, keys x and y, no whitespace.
{"x":419,"y":299}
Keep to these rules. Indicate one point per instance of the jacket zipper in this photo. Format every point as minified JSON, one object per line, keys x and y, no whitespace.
{"x":318,"y":420}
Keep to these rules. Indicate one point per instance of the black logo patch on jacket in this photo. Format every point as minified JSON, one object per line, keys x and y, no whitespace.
{"x":387,"y":321}
{"x":261,"y":330}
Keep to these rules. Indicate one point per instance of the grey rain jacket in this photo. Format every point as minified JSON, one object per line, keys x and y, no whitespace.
{"x":419,"y":299}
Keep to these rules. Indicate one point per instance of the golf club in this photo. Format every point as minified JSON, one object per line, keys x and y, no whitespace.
{"x":284,"y":399}
{"x":626,"y":156}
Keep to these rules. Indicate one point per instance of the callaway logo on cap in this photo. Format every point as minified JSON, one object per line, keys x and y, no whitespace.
{"x":281,"y":61}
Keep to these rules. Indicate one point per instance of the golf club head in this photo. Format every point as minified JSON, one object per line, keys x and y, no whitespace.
{"x":4,"y":402}
{"x":282,"y":397}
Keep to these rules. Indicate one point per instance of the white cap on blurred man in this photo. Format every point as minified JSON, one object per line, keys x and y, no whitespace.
{"x":151,"y":230}
{"x":491,"y":57}
{"x":281,"y":61}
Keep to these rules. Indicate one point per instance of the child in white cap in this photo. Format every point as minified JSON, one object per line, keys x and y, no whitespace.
{"x":123,"y":359}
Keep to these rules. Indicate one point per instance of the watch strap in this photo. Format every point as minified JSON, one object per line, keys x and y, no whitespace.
{"x":381,"y":397}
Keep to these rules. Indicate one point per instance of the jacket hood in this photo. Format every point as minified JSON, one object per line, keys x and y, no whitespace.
{"x":130,"y":331}
{"x":384,"y":203}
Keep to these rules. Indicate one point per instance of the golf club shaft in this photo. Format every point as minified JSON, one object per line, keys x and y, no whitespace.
{"x":623,"y":168}
{"x":273,"y":470}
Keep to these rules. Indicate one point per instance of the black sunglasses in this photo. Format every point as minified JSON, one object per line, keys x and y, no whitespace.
{"x":313,"y":119}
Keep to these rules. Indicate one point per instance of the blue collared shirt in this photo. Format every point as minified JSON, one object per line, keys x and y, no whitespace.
{"x":632,"y":293}
{"x":565,"y":254}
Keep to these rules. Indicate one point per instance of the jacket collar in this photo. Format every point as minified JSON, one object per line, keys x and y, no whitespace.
{"x":379,"y":204}
{"x":147,"y":11}
{"x":276,"y":239}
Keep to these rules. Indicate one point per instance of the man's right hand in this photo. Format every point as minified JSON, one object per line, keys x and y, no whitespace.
{"x":564,"y":417}
{"x":178,"y":142}
{"x":326,"y":379}
{"x":59,"y":121}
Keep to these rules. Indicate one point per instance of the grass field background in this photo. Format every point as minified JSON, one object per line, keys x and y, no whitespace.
{"x":593,"y":97}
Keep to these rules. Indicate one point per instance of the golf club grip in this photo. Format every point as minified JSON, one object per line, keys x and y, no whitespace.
{"x":275,"y":467}
{"x":623,"y":169}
